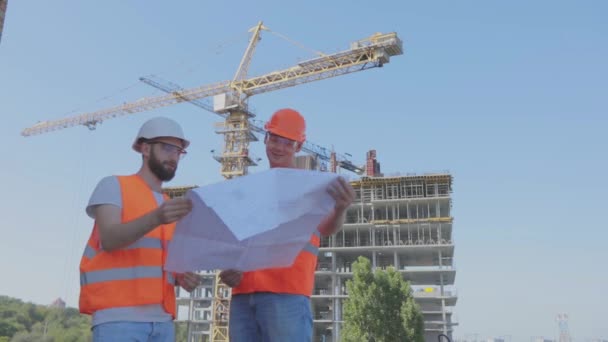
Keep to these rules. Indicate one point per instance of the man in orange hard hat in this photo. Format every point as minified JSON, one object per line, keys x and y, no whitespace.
{"x":122,"y":281}
{"x":273,"y":305}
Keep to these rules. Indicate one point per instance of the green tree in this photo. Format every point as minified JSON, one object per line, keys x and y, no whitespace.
{"x":412,"y":320}
{"x":24,"y":322}
{"x":7,"y":329}
{"x":380,"y":307}
{"x":181,"y":332}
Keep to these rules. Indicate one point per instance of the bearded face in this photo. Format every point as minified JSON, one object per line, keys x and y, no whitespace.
{"x":164,"y":170}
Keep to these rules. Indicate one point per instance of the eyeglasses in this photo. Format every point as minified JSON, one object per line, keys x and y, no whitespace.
{"x":169,"y":148}
{"x":277,"y":139}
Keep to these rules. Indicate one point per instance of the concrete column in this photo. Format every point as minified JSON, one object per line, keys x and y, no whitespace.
{"x":396,"y":261}
{"x":333,"y":262}
{"x":373,"y":237}
{"x":438,"y":208}
{"x":443,"y":315}
{"x":374,"y":260}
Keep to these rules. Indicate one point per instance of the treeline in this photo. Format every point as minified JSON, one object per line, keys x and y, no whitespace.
{"x":27,"y":322}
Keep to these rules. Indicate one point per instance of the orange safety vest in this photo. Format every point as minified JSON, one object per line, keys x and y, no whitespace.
{"x":299,"y":278}
{"x":132,"y":275}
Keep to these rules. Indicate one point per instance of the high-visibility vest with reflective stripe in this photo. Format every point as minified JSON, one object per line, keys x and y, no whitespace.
{"x":132,"y":275}
{"x":299,"y":278}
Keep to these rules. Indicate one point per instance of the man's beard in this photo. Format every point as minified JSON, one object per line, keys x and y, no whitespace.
{"x":159,"y":170}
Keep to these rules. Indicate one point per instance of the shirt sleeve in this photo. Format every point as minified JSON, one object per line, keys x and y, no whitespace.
{"x":107,"y":191}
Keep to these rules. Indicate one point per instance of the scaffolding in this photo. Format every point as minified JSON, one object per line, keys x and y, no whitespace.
{"x":403,"y":222}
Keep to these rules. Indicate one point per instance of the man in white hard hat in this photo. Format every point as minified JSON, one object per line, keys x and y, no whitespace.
{"x":122,"y":281}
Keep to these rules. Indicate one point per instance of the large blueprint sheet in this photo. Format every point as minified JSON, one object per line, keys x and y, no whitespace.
{"x":261,"y":220}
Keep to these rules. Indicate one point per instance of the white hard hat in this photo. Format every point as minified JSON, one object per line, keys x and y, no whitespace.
{"x":159,"y":127}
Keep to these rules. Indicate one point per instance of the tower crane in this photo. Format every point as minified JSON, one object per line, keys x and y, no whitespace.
{"x":231,"y":97}
{"x":231,"y":101}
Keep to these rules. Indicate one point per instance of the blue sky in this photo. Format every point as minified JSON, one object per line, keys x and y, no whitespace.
{"x":510,"y":97}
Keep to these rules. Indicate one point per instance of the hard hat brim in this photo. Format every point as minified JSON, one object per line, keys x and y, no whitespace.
{"x":137,"y":143}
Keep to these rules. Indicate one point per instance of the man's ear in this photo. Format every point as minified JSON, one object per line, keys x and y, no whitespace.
{"x":145,"y":149}
{"x":299,"y":146}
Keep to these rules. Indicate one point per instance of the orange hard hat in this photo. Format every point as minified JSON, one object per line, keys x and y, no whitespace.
{"x":287,"y":123}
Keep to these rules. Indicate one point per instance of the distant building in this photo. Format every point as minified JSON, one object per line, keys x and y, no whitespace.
{"x":542,"y":339}
{"x":372,"y":166}
{"x":58,"y":303}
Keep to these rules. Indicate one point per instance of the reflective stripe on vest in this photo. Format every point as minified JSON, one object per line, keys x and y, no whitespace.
{"x":144,"y":242}
{"x":171,"y":279}
{"x":120,"y":274}
{"x":89,"y":252}
{"x":310,"y":248}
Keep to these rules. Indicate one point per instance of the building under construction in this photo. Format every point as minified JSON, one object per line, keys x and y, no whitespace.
{"x":399,"y":221}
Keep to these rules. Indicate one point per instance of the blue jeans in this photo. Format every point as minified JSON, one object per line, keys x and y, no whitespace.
{"x":134,"y":332}
{"x":270,"y":317}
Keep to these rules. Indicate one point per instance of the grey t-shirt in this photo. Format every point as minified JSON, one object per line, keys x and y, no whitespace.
{"x":108,"y":192}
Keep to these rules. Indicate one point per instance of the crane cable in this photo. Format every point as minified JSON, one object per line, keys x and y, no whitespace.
{"x":72,"y":252}
{"x":217,"y":49}
{"x":296,"y":43}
